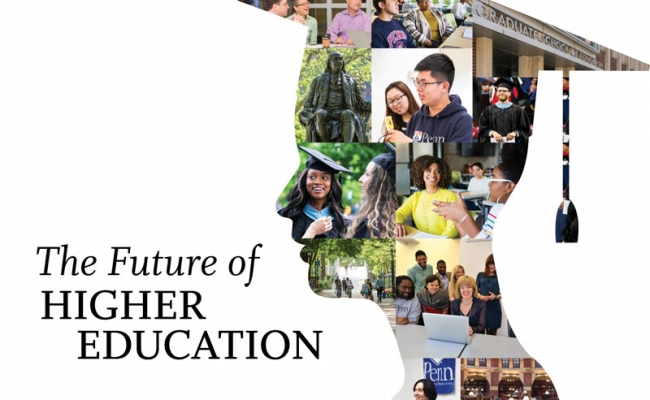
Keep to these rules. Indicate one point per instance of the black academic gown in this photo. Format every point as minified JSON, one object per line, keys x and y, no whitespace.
{"x":301,"y":223}
{"x":504,"y":121}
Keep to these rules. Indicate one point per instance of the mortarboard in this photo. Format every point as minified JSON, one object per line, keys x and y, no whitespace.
{"x":321,"y":162}
{"x":504,"y":83}
{"x":387,"y":161}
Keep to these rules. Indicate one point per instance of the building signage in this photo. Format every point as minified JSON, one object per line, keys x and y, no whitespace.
{"x":498,"y":17}
{"x":442,"y":372}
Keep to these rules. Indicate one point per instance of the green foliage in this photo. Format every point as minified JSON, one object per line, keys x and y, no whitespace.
{"x":376,"y":253}
{"x":357,"y":64}
{"x":353,"y":156}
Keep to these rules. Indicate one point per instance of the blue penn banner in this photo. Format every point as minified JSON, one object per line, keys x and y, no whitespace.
{"x":442,"y":371}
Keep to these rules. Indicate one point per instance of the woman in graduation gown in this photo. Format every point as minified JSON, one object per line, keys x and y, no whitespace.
{"x":376,"y":216}
{"x":315,"y":201}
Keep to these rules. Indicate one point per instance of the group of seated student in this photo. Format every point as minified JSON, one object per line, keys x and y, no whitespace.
{"x":425,"y":26}
{"x":479,"y":299}
{"x":315,"y":201}
{"x":352,"y":18}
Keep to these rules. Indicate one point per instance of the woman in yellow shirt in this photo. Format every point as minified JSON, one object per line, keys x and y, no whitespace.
{"x":432,"y":175}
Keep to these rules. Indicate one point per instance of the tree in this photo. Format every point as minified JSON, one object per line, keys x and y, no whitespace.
{"x":328,"y":250}
{"x":377,"y":254}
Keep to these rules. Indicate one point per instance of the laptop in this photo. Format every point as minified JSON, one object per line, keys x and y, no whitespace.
{"x":360,"y":38}
{"x":449,"y":328}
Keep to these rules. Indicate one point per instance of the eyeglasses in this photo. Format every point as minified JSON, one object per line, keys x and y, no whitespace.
{"x":303,"y":4}
{"x":503,"y":91}
{"x":498,"y":180}
{"x":395,"y":100}
{"x":423,"y":85}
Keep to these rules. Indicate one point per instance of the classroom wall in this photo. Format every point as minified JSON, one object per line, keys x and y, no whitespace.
{"x":472,"y":256}
{"x":452,"y":155}
{"x":436,"y":249}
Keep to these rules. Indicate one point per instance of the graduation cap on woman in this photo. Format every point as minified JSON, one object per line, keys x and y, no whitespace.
{"x":386,"y":161}
{"x":321,"y":162}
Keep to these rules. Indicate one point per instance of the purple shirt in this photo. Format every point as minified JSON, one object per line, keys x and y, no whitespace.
{"x":343,"y":21}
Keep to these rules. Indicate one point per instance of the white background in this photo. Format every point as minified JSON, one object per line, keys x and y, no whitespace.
{"x":162,"y":126}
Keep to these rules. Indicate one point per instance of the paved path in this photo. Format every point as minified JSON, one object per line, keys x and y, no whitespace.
{"x":357,"y":275}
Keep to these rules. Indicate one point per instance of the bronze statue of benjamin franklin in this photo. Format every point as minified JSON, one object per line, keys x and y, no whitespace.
{"x":334,"y":110}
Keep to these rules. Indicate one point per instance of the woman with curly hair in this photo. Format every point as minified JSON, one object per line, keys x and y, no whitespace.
{"x":432,"y":176}
{"x":376,"y":216}
{"x":504,"y":180}
{"x":315,"y":201}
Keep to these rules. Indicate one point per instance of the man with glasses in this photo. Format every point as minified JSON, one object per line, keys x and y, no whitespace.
{"x":301,"y":16}
{"x":387,"y":32}
{"x":353,"y":18}
{"x":442,"y":118}
{"x":334,"y":109}
{"x":504,"y":121}
{"x":277,"y":7}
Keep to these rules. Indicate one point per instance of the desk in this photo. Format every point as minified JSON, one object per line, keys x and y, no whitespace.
{"x":473,"y":195}
{"x":485,"y":207}
{"x":486,"y":346}
{"x":413,"y":233}
{"x":413,"y":343}
{"x":456,"y":39}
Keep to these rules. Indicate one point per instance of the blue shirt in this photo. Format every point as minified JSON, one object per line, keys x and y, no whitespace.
{"x":390,"y":35}
{"x":419,"y":275}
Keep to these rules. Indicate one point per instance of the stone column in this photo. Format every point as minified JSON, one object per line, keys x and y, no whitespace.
{"x":565,"y":71}
{"x":484,"y":57}
{"x":530,"y":66}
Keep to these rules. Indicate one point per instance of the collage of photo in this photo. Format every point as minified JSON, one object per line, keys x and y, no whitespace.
{"x":413,"y":120}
